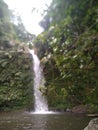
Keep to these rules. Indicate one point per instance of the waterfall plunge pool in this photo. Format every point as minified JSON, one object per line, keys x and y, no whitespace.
{"x":41,"y":119}
{"x":45,"y":121}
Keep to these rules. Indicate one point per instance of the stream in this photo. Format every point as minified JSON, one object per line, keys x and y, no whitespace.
{"x":50,"y":121}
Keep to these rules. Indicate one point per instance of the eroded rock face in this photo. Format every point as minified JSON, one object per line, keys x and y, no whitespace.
{"x":93,"y":125}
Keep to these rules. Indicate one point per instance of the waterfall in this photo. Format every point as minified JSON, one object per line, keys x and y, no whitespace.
{"x":40,"y":104}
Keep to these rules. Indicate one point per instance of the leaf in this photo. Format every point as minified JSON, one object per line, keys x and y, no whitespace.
{"x":4,"y":64}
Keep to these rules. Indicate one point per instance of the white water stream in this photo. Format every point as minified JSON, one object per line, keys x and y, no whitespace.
{"x":40,"y":104}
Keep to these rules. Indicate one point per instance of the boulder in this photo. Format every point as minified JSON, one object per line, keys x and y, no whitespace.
{"x":93,"y":125}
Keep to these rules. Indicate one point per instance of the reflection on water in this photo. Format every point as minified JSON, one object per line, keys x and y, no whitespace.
{"x":52,"y":121}
{"x":39,"y":122}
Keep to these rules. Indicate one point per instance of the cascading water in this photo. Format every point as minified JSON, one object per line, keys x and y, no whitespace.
{"x":40,"y":100}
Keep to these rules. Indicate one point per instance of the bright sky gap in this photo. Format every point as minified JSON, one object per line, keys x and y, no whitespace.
{"x":24,"y":9}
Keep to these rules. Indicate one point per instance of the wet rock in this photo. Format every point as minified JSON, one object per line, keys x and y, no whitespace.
{"x":93,"y":125}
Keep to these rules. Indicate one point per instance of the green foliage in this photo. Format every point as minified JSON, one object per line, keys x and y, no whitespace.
{"x":69,"y":52}
{"x":10,"y":33}
{"x":22,"y":34}
{"x":15,"y":62}
{"x":92,"y":108}
{"x":4,"y":13}
{"x":6,"y":27}
{"x":15,"y":80}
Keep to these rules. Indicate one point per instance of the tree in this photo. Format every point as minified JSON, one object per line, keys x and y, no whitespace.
{"x":11,"y":33}
{"x":4,"y":11}
{"x":22,"y":34}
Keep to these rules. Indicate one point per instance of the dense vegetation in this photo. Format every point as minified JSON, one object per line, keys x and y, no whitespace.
{"x":68,"y":49}
{"x":10,"y":33}
{"x":15,"y":80}
{"x":15,"y":63}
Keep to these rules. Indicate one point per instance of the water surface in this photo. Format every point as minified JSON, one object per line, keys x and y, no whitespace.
{"x":49,"y":121}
